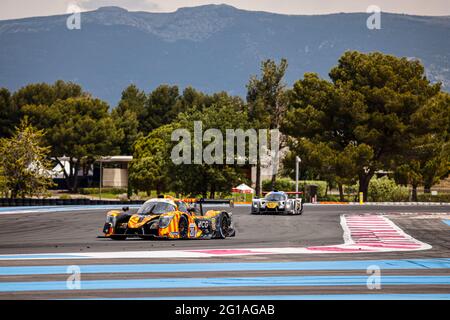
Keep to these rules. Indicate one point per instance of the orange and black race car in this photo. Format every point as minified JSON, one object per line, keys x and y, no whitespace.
{"x":170,"y":218}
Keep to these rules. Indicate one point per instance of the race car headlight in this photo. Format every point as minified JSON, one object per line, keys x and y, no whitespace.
{"x":288,"y":205}
{"x":165,"y":221}
{"x":255,"y":204}
{"x":154,"y":225}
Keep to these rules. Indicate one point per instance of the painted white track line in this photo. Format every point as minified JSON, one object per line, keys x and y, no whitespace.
{"x":401,"y":203}
{"x":362,"y":234}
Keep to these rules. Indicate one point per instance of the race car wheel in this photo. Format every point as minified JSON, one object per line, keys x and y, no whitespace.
{"x":300,"y":210}
{"x":224,"y":229}
{"x":183,"y":228}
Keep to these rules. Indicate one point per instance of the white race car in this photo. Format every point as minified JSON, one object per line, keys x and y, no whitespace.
{"x":277,"y":202}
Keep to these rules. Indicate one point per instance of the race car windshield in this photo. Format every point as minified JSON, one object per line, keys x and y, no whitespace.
{"x":275,"y":197}
{"x":156,"y":208}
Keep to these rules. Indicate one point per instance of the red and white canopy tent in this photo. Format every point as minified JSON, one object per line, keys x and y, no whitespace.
{"x":243,"y":188}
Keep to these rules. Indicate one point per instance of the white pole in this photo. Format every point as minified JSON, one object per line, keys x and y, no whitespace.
{"x":101,"y":179}
{"x":297,"y":162}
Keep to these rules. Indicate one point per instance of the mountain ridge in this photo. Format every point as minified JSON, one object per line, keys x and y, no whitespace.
{"x":211,"y":47}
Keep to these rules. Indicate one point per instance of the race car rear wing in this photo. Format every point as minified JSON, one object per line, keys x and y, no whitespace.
{"x":216,"y":201}
{"x":201,"y":202}
{"x":290,"y":194}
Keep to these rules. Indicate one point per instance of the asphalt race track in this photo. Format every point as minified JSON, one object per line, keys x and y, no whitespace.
{"x":39,"y":252}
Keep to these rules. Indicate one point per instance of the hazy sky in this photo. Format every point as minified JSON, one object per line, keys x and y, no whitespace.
{"x":10,"y":9}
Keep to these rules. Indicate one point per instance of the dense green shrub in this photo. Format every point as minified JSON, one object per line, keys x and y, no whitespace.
{"x":284,"y":184}
{"x":336,"y":198}
{"x":385,"y":189}
{"x":428,"y":197}
{"x":3,"y":187}
{"x":351,"y":190}
{"x":115,"y":191}
{"x":330,"y":197}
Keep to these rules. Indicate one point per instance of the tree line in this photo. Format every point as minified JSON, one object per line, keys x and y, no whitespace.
{"x":375,"y":112}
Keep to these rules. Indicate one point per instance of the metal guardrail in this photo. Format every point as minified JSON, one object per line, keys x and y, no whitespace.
{"x":29,"y":202}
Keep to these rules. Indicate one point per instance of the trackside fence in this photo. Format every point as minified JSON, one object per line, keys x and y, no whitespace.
{"x":28,"y":202}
